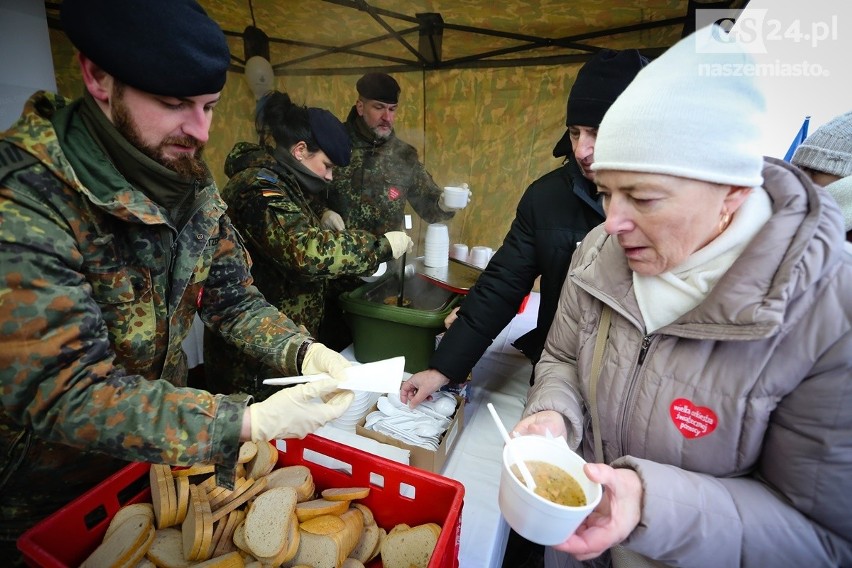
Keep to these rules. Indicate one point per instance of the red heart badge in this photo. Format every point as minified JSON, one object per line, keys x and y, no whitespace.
{"x":691,"y":420}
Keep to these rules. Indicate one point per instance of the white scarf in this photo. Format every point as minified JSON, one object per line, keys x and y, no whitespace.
{"x":665,"y":297}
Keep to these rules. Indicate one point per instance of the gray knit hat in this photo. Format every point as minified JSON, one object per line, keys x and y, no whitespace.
{"x":829,"y":148}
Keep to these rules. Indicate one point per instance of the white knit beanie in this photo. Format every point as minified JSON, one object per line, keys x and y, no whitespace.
{"x":693,"y":112}
{"x":829,"y":148}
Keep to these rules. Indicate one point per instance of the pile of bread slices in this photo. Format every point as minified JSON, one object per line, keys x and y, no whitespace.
{"x":273,"y":517}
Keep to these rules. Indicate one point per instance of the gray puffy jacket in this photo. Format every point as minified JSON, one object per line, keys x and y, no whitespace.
{"x":738,"y":415}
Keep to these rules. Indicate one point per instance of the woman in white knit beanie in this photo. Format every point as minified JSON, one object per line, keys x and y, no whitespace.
{"x":826,"y":156}
{"x":700,"y":356}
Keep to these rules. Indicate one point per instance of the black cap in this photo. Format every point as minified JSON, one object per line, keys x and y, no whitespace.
{"x":330,"y":135}
{"x":163,"y":47}
{"x":378,"y":87}
{"x":598,"y":84}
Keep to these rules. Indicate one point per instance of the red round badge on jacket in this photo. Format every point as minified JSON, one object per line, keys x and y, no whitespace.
{"x":393,"y":194}
{"x":691,"y":420}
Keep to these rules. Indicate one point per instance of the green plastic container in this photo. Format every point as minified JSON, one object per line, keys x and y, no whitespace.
{"x":382,"y":330}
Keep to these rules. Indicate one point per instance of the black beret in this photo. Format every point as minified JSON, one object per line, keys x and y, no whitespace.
{"x":330,"y":135}
{"x":378,"y":87}
{"x":599,"y":82}
{"x":163,"y":47}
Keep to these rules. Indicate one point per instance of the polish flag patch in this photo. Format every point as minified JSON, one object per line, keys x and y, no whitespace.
{"x":691,"y":420}
{"x":393,"y":194}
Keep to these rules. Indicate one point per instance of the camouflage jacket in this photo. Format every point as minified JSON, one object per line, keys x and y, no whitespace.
{"x":94,"y":311}
{"x":293,"y":258}
{"x":370,"y":193}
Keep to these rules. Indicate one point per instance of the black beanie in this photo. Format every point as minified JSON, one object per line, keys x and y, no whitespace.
{"x":378,"y":87}
{"x":598,"y":84}
{"x":330,"y":135}
{"x":163,"y":47}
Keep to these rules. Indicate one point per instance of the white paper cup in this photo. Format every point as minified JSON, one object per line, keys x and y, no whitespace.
{"x":479,"y":256}
{"x":456,"y":197}
{"x":533,"y":517}
{"x":459,"y":252}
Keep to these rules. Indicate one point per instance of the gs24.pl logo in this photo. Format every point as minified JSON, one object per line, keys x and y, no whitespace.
{"x":753,"y":29}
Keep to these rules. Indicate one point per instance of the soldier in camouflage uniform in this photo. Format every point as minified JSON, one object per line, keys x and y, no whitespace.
{"x":112,"y":237}
{"x":268,"y":198}
{"x":372,"y":191}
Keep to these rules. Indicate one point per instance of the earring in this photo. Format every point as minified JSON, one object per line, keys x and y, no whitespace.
{"x":723,"y":223}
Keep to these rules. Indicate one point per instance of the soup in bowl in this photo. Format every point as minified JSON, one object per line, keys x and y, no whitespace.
{"x":564,"y":496}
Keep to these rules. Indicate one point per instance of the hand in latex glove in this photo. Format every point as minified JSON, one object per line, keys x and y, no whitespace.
{"x":320,"y":359}
{"x":400,"y":243}
{"x":332,"y":220}
{"x":297,"y":411}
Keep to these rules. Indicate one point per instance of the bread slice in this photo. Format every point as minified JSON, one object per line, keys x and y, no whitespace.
{"x":146,"y":509}
{"x":316,"y":507}
{"x":163,"y":495}
{"x":297,"y":476}
{"x":383,"y":534}
{"x":182,"y":492}
{"x":225,"y":543}
{"x":166,"y":550}
{"x":409,"y":548}
{"x":230,"y":560}
{"x":345,"y":493}
{"x":267,"y":521}
{"x":352,"y":563}
{"x":317,"y":550}
{"x":263,"y":462}
{"x":123,"y":544}
{"x":349,"y":536}
{"x":197,"y":469}
{"x":324,"y":524}
{"x":240,"y":538}
{"x":255,"y":488}
{"x":368,"y":542}
{"x":366,"y":512}
{"x":248,"y":450}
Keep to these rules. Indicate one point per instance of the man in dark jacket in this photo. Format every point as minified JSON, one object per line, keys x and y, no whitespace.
{"x":554,"y":214}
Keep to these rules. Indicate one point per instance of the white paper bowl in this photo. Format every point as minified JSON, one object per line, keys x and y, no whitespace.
{"x":533,"y":517}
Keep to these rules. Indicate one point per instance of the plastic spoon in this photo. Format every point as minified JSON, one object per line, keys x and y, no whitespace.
{"x":525,"y":473}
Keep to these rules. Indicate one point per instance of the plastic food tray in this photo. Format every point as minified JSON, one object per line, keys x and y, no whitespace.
{"x":398,"y":494}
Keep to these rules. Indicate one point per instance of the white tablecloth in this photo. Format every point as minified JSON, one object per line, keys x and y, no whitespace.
{"x":502,"y":378}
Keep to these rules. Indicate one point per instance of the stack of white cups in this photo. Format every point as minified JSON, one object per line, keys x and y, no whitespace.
{"x":437,"y":245}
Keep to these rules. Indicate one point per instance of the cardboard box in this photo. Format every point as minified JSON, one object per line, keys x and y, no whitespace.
{"x":430,"y":460}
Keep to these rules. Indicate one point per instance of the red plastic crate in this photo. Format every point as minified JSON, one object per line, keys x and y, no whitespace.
{"x":398,"y":494}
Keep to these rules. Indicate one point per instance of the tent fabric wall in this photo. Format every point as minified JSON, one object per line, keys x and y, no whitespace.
{"x":493,"y":128}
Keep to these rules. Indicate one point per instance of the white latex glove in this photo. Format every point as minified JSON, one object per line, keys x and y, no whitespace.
{"x":332,"y":220}
{"x":400,"y":243}
{"x":297,"y":411}
{"x":320,"y":359}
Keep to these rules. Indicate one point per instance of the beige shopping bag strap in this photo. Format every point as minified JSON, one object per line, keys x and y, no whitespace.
{"x":597,"y":360}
